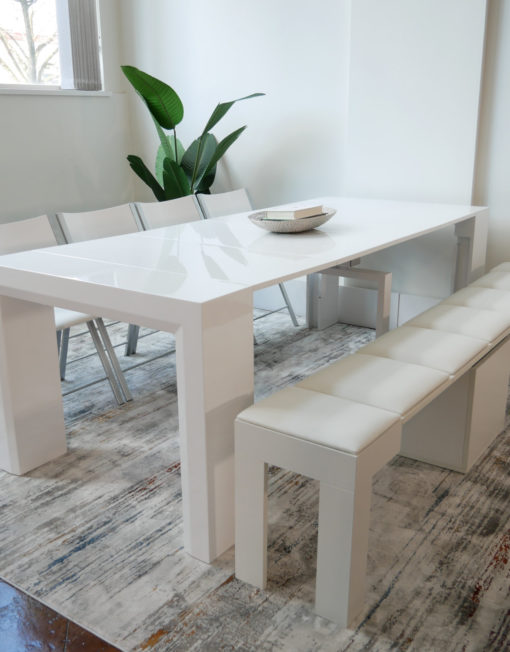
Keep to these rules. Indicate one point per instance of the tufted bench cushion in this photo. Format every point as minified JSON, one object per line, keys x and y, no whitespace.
{"x":485,"y":298}
{"x":447,"y":352}
{"x":321,"y":419}
{"x":382,"y":382}
{"x":498,"y":280}
{"x":487,"y":325}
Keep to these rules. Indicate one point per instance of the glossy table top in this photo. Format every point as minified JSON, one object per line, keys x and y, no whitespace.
{"x":198,"y":262}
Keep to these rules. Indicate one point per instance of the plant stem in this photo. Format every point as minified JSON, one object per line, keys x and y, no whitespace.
{"x":175,"y":146}
{"x":197,"y":159}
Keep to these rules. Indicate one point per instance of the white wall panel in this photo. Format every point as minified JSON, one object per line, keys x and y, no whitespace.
{"x":413,"y":98}
{"x":492,"y":185}
{"x":414,"y":90}
{"x":64,"y":153}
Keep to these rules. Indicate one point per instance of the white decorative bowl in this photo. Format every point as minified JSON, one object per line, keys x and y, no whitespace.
{"x":292,"y":226}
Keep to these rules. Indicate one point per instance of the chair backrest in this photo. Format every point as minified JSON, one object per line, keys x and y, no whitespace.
{"x":155,"y":214}
{"x":22,"y":235}
{"x":103,"y":223}
{"x":224,"y":203}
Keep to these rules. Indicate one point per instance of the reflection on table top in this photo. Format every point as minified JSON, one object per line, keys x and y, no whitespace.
{"x":202,"y":261}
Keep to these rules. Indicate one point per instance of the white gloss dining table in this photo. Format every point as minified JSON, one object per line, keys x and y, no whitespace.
{"x":195,"y":280}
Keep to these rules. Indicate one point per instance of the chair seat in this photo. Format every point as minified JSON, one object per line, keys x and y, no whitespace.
{"x":381,"y":382}
{"x":66,"y":318}
{"x":331,"y":421}
{"x":447,"y":352}
{"x":483,"y":324}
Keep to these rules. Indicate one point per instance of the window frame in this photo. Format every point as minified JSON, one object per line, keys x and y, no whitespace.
{"x":79,"y":51}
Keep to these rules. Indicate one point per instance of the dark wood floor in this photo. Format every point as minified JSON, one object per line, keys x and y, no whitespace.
{"x":26,"y":624}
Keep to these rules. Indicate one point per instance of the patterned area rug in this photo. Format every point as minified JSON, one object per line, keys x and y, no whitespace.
{"x":97,"y":534}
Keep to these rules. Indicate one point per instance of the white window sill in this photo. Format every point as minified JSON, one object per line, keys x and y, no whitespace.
{"x":10,"y":90}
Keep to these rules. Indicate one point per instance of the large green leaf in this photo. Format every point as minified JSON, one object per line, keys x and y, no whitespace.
{"x":222,"y":108}
{"x":163,"y":139}
{"x":207,"y":181}
{"x":162,"y":154}
{"x":139,"y":167}
{"x":222,"y":147}
{"x":163,"y":102}
{"x":174,"y":180}
{"x":197,"y":158}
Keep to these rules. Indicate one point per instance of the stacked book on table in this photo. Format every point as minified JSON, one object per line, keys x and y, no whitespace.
{"x":291,"y":213}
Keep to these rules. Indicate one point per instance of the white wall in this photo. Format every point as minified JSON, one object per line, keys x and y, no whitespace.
{"x":414,"y":90}
{"x":66,"y":152}
{"x":492,"y":179}
{"x":293,"y":50}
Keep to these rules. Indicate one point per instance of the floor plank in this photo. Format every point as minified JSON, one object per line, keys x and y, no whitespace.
{"x":27,"y":624}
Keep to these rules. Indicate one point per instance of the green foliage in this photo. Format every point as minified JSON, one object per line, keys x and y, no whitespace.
{"x":139,"y":167}
{"x":162,"y":101}
{"x":168,"y":152}
{"x":179,"y":171}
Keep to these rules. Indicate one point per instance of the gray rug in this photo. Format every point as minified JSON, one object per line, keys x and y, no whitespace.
{"x":97,"y":534}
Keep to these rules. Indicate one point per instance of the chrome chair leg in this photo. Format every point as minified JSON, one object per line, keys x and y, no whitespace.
{"x":63,"y":345}
{"x":132,"y":339}
{"x":289,"y":305}
{"x":113,"y":359}
{"x":110,"y":374}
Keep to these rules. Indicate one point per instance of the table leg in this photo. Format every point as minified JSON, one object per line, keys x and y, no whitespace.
{"x":214,"y":383}
{"x":321,"y":300}
{"x":31,"y":416}
{"x":471,"y":249}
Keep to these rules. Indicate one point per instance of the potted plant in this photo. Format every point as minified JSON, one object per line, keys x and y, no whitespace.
{"x":178,"y":171}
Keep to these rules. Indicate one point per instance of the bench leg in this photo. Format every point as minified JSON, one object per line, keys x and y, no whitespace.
{"x":382,"y":324}
{"x":456,"y":428}
{"x":383,"y":280}
{"x":344,"y":509}
{"x":344,"y":519}
{"x":251,"y":520}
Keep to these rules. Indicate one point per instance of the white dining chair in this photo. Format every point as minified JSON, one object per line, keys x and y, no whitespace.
{"x":156,"y":214}
{"x":102,"y":223}
{"x":228,"y":203}
{"x":224,"y":203}
{"x":37,"y":232}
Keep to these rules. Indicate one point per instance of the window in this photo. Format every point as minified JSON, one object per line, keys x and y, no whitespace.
{"x":54,"y":43}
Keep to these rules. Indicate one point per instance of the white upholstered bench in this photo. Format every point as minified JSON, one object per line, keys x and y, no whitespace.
{"x":434,"y":389}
